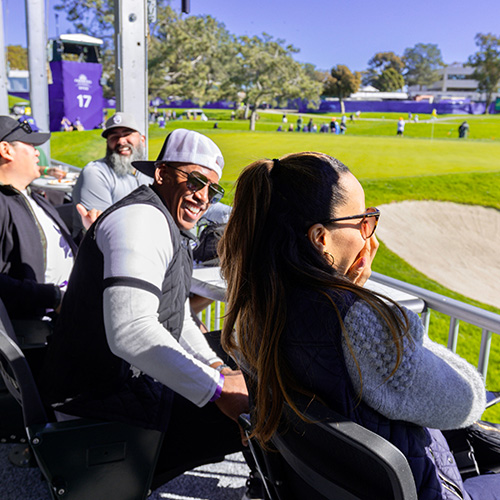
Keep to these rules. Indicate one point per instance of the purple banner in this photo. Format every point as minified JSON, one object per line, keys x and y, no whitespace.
{"x":442,"y":107}
{"x":158,"y":102}
{"x":22,"y":95}
{"x":75,"y":96}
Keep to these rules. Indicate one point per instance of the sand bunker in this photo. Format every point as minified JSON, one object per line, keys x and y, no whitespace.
{"x":456,"y":245}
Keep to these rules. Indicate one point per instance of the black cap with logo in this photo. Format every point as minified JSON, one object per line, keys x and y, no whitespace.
{"x":11,"y":130}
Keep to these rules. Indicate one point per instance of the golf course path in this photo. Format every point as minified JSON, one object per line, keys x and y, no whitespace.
{"x":456,"y":245}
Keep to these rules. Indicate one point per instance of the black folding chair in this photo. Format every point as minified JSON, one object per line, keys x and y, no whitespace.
{"x":331,"y":457}
{"x":11,"y":416}
{"x":81,"y":459}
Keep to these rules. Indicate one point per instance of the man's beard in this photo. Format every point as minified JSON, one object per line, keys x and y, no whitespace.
{"x":122,"y":164}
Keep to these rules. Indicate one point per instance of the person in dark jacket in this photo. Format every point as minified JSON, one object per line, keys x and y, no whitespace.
{"x":125,"y":347}
{"x":463,"y":130}
{"x":36,"y":249}
{"x":296,"y":253}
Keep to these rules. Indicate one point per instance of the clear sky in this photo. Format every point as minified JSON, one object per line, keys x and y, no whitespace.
{"x":330,"y":32}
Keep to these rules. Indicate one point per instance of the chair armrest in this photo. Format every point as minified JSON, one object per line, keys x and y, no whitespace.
{"x":492,"y":398}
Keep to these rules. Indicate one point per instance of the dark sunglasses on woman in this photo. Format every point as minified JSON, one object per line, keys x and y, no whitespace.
{"x":369,"y":221}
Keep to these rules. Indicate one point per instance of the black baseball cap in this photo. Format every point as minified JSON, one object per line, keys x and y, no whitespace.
{"x":11,"y":130}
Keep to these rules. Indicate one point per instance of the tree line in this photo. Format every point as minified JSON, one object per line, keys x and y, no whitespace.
{"x":197,"y":58}
{"x":418,"y":66}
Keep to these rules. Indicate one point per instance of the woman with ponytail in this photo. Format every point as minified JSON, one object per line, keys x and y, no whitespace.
{"x":296,"y":253}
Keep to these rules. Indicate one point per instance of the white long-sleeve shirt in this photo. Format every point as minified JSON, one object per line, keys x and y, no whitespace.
{"x":136,"y":243}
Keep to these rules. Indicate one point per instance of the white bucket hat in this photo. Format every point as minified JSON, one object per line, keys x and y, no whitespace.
{"x":186,"y":146}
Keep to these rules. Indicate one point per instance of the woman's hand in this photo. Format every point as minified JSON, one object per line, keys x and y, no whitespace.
{"x":361,"y":269}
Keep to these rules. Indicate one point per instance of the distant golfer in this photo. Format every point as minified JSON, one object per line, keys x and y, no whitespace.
{"x":401,"y":126}
{"x":463,"y":130}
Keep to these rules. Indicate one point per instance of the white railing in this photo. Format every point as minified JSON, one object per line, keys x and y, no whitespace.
{"x":457,"y":311}
{"x":212,"y":313}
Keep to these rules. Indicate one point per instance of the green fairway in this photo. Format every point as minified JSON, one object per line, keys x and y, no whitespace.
{"x":390,"y":169}
{"x":367,"y":157}
{"x":484,"y":127}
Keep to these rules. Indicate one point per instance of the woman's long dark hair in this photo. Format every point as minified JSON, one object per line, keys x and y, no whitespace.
{"x":265,"y":250}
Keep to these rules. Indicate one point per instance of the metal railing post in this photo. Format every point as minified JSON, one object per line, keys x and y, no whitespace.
{"x":208,"y":318}
{"x":426,"y":318}
{"x":453,"y":334}
{"x":131,"y":84}
{"x":484,"y":352}
{"x":217,"y":323}
{"x":37,"y":61}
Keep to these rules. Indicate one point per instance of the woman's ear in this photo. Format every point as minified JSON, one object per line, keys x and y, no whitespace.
{"x":317,"y":236}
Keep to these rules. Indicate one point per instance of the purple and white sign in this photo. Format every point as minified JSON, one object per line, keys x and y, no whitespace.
{"x":75,"y":95}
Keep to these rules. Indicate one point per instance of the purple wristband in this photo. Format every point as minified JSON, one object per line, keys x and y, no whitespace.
{"x":218,"y":390}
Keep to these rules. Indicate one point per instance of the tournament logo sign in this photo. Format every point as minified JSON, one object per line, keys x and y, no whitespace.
{"x":82,"y":82}
{"x":76,"y":94}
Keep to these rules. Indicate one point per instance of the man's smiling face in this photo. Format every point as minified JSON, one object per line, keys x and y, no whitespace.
{"x":185,"y":206}
{"x":123,"y":141}
{"x":124,"y":145}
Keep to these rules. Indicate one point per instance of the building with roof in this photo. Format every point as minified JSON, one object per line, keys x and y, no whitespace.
{"x":18,"y":83}
{"x":370,"y":93}
{"x":455,"y":84}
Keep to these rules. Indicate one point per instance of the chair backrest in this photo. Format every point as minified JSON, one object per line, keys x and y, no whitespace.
{"x":331,"y":457}
{"x":17,"y":375}
{"x":5,"y":322}
{"x":81,"y":458}
{"x":341,"y":459}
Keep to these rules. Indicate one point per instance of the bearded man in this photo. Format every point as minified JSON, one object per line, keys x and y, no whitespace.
{"x":104,"y":182}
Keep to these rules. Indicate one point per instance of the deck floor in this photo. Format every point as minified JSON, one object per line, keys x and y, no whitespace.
{"x":221,"y":481}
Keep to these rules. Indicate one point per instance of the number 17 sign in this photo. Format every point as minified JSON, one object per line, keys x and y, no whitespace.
{"x":75,"y":94}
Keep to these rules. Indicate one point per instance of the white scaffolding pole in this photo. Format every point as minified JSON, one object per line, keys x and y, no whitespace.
{"x":4,"y":100}
{"x":131,"y":85}
{"x":37,"y":61}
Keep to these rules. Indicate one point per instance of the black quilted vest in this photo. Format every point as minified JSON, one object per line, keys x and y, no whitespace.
{"x":79,"y":363}
{"x":312,"y":348}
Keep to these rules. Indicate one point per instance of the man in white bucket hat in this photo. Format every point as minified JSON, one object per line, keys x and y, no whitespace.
{"x":126,"y":347}
{"x":185,"y":147}
{"x":182,"y":149}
